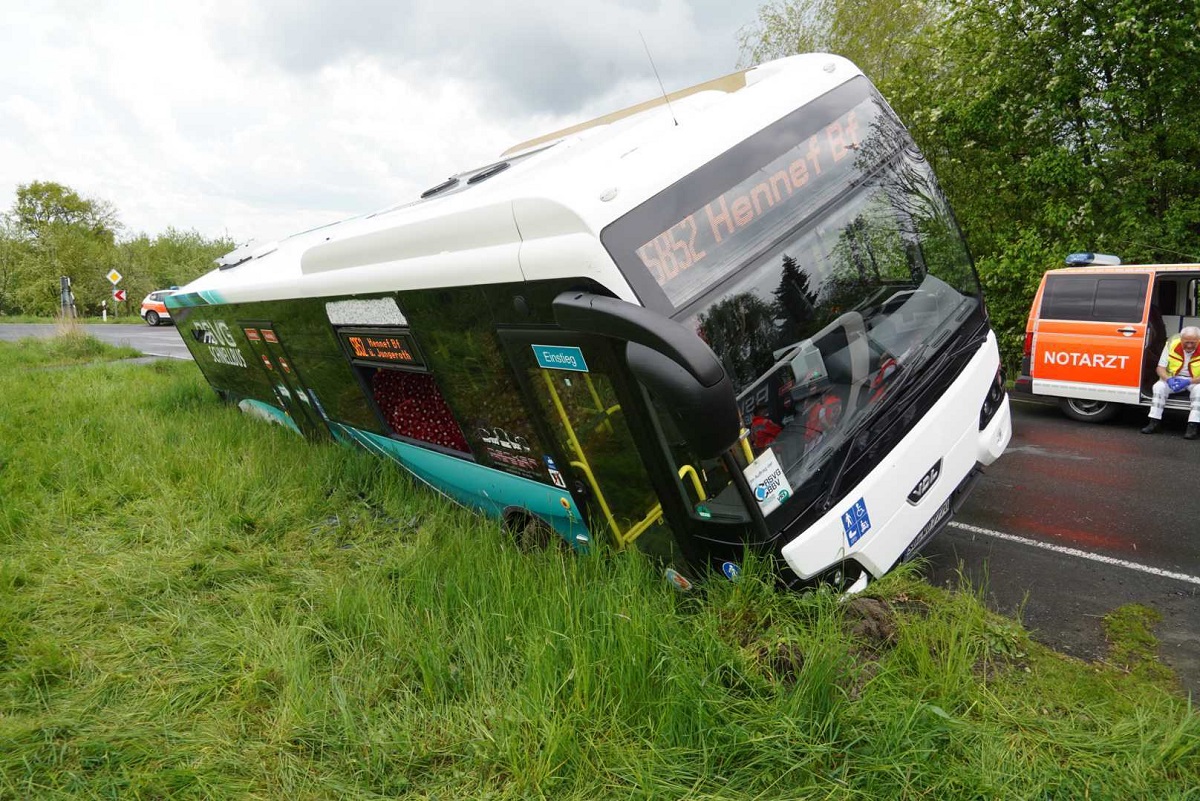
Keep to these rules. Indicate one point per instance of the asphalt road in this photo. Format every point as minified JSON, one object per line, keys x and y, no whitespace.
{"x":1072,"y":522}
{"x":160,"y":340}
{"x":1090,"y":493}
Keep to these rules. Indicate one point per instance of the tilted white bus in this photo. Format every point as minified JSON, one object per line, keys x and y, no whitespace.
{"x":743,"y":322}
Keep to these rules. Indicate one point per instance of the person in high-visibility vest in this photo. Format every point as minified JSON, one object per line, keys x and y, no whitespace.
{"x":1178,"y":371}
{"x":763,"y":430}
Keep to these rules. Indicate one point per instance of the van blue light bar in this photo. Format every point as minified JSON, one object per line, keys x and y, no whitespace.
{"x":1092,"y":260}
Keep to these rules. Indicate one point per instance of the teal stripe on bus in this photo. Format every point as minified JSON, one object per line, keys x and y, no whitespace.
{"x":479,"y":487}
{"x":187,"y":300}
{"x":265,"y":411}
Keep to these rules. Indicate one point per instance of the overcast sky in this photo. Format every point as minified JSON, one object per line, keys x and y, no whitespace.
{"x":259,"y":118}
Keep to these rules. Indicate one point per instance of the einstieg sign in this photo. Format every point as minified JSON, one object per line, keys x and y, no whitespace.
{"x":559,"y":357}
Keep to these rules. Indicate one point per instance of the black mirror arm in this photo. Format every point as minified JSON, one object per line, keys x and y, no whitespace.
{"x":596,"y":314}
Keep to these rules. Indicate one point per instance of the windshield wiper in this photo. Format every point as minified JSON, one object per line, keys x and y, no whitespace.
{"x":851,"y":449}
{"x":911,"y":374}
{"x":895,"y":392}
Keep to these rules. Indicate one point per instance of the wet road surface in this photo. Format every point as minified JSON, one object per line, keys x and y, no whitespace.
{"x":1085,"y":490}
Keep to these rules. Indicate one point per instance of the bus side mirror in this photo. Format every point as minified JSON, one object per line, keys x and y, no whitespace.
{"x":672,"y":361}
{"x":706,"y":416}
{"x":610,"y":317}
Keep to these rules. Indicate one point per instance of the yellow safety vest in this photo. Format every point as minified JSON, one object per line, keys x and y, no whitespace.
{"x":1176,"y":358}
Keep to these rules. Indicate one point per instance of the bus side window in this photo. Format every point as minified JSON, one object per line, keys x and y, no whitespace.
{"x":413,"y":407}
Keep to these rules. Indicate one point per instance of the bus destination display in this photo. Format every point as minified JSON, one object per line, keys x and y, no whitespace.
{"x":382,"y":346}
{"x":692,"y":252}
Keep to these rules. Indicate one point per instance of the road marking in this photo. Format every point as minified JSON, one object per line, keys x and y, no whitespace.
{"x":1038,"y":450}
{"x":1095,"y":557}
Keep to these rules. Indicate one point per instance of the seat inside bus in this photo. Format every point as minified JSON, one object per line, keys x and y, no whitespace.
{"x":413,"y":407}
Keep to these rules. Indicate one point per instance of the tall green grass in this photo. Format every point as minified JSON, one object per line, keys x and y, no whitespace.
{"x":225,"y":611}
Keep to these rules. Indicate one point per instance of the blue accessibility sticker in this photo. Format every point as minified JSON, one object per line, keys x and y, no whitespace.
{"x":560,"y":357}
{"x":856,"y":522}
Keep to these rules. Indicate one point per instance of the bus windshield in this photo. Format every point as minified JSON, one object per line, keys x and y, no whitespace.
{"x":822,"y":267}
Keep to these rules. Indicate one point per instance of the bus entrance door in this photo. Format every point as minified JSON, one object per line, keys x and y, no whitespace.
{"x":284,"y":379}
{"x":581,"y":399}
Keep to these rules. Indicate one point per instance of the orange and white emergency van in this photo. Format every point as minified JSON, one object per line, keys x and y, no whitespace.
{"x":154,"y":310}
{"x":1096,"y":331}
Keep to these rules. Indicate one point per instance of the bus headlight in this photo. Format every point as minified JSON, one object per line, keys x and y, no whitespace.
{"x":995,"y":397}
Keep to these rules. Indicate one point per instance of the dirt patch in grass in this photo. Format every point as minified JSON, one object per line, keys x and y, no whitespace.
{"x":871,"y":622}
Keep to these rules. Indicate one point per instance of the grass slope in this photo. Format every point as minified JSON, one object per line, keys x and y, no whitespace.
{"x":194,"y":605}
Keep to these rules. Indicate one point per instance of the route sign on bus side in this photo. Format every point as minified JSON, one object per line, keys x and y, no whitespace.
{"x":114,"y":277}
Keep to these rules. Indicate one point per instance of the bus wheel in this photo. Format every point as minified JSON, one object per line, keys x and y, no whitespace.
{"x":1087,"y":411}
{"x":530,"y":532}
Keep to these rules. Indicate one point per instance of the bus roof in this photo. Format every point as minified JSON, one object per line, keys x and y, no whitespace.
{"x":534,"y":214}
{"x":729,"y":83}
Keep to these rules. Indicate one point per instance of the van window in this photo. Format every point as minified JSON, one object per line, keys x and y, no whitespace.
{"x":1094,"y":297}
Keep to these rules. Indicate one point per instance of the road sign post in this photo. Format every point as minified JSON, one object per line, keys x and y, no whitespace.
{"x":66,"y":297}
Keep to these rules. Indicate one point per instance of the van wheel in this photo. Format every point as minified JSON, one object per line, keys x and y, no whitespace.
{"x":1087,"y":411}
{"x":151,"y":318}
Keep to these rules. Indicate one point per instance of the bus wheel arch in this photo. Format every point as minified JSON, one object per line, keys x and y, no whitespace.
{"x":1088,"y":411}
{"x":530,"y":532}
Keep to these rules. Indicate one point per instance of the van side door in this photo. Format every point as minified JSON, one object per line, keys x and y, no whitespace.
{"x":1089,"y":335}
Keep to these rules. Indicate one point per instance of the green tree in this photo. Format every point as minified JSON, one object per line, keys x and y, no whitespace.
{"x":12,"y":255}
{"x":737,"y":328}
{"x":52,"y":231}
{"x":173,"y":258}
{"x":880,"y":36}
{"x":1084,"y":114}
{"x":795,"y":302}
{"x":1068,"y":127}
{"x":43,"y":206}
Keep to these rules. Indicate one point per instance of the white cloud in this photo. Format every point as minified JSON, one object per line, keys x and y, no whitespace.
{"x":262,"y":118}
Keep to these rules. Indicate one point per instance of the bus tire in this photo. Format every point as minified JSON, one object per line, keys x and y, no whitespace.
{"x":1087,"y":411}
{"x":530,"y":532}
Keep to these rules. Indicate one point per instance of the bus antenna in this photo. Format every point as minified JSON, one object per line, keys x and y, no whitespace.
{"x":666,"y":99}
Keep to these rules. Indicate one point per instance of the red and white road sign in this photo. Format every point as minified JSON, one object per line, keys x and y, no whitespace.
{"x":118,"y":294}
